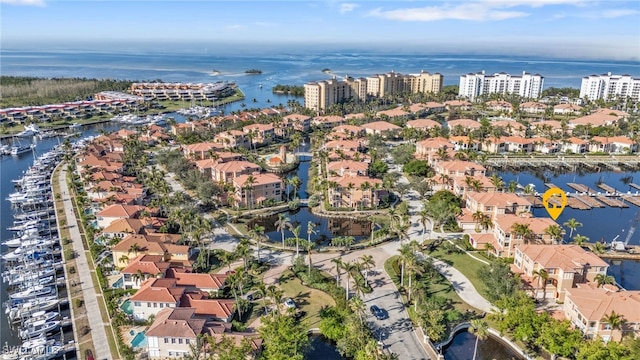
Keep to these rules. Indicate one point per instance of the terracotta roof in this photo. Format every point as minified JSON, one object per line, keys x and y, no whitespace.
{"x":501,"y":200}
{"x":357,"y":181}
{"x":537,"y":225}
{"x":381,"y":126}
{"x":259,"y":179}
{"x":131,"y":226}
{"x":595,"y":303}
{"x":595,"y":119}
{"x":343,"y":144}
{"x":460,"y":165}
{"x":393,"y":112}
{"x":465,"y":123}
{"x":565,"y":257}
{"x":159,"y":290}
{"x":423,"y":123}
{"x":457,"y":103}
{"x":236,"y":166}
{"x":435,"y":143}
{"x":296,"y":117}
{"x":347,"y":165}
{"x":176,"y":323}
{"x":327,"y":119}
{"x":218,"y":308}
{"x":506,"y":123}
{"x":149,"y":247}
{"x":258,"y":127}
{"x":352,"y":129}
{"x":355,"y":116}
{"x":147,"y":264}
{"x":122,"y":211}
{"x":196,"y":280}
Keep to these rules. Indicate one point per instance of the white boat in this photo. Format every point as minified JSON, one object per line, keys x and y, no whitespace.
{"x":21,"y":149}
{"x":75,"y":125}
{"x":33,"y":292}
{"x":38,"y":328}
{"x":42,"y":315}
{"x":29,"y":130}
{"x":26,"y":309}
{"x":37,"y":345}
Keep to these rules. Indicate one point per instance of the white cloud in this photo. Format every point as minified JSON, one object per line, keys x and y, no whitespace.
{"x":478,"y":10}
{"x":234,"y":27}
{"x":24,"y":2}
{"x":609,"y":14}
{"x":347,"y":7}
{"x":471,"y":11}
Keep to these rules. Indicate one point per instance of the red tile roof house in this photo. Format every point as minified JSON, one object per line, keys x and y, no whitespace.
{"x":231,"y":139}
{"x":354,"y":192}
{"x":328,"y":121}
{"x":118,"y":211}
{"x":347,"y":167}
{"x":175,"y":330}
{"x":262,"y":133}
{"x":265,"y":187}
{"x":463,"y":125}
{"x":612,"y":144}
{"x":427,"y":147}
{"x":382,"y":128}
{"x":396,"y":113}
{"x":351,"y":131}
{"x":141,"y":268}
{"x":423,"y":124}
{"x":225,"y":172}
{"x":151,"y":244}
{"x":200,"y":150}
{"x":533,"y":107}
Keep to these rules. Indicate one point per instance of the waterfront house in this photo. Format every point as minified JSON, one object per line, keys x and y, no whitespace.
{"x":225,"y":172}
{"x":518,"y":144}
{"x":175,"y":330}
{"x":120,"y":228}
{"x":133,"y":245}
{"x":511,"y":127}
{"x":353,"y":191}
{"x":508,"y":235}
{"x":546,"y":146}
{"x":455,"y":168}
{"x":118,"y":211}
{"x":465,"y":143}
{"x":425,"y":149}
{"x":566,"y":265}
{"x":209,"y":283}
{"x":344,"y":145}
{"x":154,"y":295}
{"x":495,"y":204}
{"x":574,"y":145}
{"x":297,"y":122}
{"x":587,"y":307}
{"x":256,"y":189}
{"x":464,"y":184}
{"x":141,"y":268}
{"x":612,"y":144}
{"x":547,"y":128}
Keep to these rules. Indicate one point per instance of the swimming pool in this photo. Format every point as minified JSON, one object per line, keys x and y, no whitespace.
{"x":140,"y":340}
{"x":127,"y":307}
{"x":118,"y":284}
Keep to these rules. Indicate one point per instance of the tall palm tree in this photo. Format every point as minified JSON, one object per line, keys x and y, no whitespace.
{"x":572,"y":224}
{"x":424,"y":219}
{"x":477,"y":216}
{"x":580,"y":239}
{"x":616,"y":321}
{"x":406,"y":252}
{"x":348,"y":268}
{"x":522,"y":231}
{"x":257,"y":233}
{"x":134,"y":248}
{"x":261,"y":287}
{"x":296,"y":234}
{"x":555,"y":232}
{"x":542,"y":276}
{"x":604,"y":279}
{"x":248,"y":185}
{"x":282,"y":224}
{"x":367,"y":261}
{"x":480,"y":329}
{"x":358,"y":307}
{"x":338,"y":262}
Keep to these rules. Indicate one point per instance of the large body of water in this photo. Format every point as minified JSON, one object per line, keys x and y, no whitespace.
{"x":296,"y":69}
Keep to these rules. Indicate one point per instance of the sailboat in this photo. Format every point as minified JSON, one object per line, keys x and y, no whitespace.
{"x":18,"y":148}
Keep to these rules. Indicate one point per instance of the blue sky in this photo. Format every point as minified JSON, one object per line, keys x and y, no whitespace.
{"x":608,"y":29}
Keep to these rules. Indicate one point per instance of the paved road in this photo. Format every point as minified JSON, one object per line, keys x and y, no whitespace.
{"x":98,"y":334}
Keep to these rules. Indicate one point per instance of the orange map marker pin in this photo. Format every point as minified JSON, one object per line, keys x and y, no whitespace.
{"x":552,"y":207}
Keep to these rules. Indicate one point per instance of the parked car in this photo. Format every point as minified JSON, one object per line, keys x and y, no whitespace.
{"x":290,"y":303}
{"x":379,"y":313}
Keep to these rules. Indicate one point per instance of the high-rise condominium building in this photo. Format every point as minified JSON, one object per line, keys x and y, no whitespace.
{"x":608,"y":87}
{"x":319,"y":95}
{"x":526,"y":85}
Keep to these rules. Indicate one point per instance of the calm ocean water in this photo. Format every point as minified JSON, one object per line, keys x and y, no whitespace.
{"x":296,"y":69}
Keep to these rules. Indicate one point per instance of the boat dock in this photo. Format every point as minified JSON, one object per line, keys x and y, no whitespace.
{"x":632,"y":200}
{"x":635,"y":186}
{"x":551,"y":186}
{"x":607,"y":188}
{"x":581,"y":188}
{"x":590,"y":201}
{"x":632,"y":253}
{"x":612,"y":201}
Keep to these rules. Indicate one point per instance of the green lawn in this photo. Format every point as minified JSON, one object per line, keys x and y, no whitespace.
{"x":308,"y":300}
{"x":467,"y":265}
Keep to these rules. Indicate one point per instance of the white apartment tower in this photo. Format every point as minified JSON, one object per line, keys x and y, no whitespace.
{"x":319,"y":95}
{"x":474,"y":85}
{"x":608,"y":87}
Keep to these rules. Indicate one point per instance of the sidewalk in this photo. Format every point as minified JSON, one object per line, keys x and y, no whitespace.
{"x":98,"y":334}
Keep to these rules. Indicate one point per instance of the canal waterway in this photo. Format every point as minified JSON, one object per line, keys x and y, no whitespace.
{"x":462,"y":345}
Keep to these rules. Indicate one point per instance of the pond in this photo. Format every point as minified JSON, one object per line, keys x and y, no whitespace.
{"x":326,"y":228}
{"x":463,"y":343}
{"x":322,"y":349}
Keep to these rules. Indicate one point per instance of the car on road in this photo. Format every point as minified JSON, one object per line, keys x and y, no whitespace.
{"x":379,"y":313}
{"x":290,"y":303}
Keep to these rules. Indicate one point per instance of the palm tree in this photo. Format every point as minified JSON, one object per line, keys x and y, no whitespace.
{"x":282,"y":224}
{"x":358,"y":307}
{"x":542,"y":276}
{"x":296,"y":234}
{"x":134,"y":248}
{"x":257,"y":233}
{"x":604,"y":279}
{"x":276,"y":295}
{"x":124,"y":259}
{"x":555,"y":232}
{"x":480,"y":329}
{"x":522,"y":231}
{"x":348,"y":268}
{"x":262,"y":290}
{"x":477,"y":216}
{"x":226,"y":258}
{"x":598,"y":248}
{"x":572,"y":224}
{"x":406,"y":252}
{"x":248,"y":185}
{"x":497,"y":182}
{"x":339,"y":263}
{"x":616,"y":321}
{"x":580,"y":239}
{"x":368,"y":262}
{"x":424,"y":219}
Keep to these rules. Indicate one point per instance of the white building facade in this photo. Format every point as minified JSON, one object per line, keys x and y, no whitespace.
{"x":608,"y":87}
{"x":526,"y":85}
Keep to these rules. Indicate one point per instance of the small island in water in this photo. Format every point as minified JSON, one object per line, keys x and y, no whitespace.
{"x":215,"y":72}
{"x":253,"y":71}
{"x":326,"y":70}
